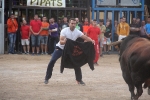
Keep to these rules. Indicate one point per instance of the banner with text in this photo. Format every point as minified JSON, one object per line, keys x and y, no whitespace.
{"x":47,"y":3}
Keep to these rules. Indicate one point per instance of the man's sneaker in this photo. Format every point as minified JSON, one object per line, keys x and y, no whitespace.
{"x":46,"y":81}
{"x":32,"y":54}
{"x":27,"y":53}
{"x":80,"y":83}
{"x":46,"y":53}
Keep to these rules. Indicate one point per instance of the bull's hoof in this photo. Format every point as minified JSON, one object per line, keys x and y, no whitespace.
{"x":148,"y":91}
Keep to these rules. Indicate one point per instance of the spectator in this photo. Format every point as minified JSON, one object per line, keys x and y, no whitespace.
{"x":133,"y":20}
{"x":147,"y":27}
{"x":12,"y":27}
{"x":59,"y":26}
{"x":135,"y":28}
{"x":103,"y":29}
{"x":142,"y":30}
{"x":115,"y":30}
{"x":94,"y":34}
{"x":91,"y":23}
{"x":35,"y":28}
{"x":78,"y":25}
{"x":44,"y":35}
{"x":80,"y":28}
{"x":53,"y":31}
{"x":65,"y":23}
{"x":25,"y":36}
{"x":107,"y":36}
{"x":85,"y":26}
{"x":138,"y":22}
{"x":123,"y":29}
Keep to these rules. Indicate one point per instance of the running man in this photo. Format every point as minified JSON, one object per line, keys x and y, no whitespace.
{"x":71,"y":33}
{"x":94,"y":33}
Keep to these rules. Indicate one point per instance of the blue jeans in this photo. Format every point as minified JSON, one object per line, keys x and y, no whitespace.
{"x":12,"y":40}
{"x":56,"y":55}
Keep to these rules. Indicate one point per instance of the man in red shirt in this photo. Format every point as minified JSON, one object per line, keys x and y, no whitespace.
{"x":35,"y":28}
{"x":25,"y":36}
{"x":94,"y":33}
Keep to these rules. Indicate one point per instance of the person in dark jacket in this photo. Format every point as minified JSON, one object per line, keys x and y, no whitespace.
{"x":71,"y":33}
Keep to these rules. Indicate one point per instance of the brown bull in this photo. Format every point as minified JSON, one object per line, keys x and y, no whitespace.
{"x":135,"y":63}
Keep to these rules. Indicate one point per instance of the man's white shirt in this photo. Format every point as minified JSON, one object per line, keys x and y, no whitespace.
{"x":67,"y":33}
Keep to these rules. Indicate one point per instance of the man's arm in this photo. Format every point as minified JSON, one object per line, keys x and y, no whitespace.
{"x":40,"y":30}
{"x":62,"y":40}
{"x":31,"y":30}
{"x":56,"y":28}
{"x":84,"y":37}
{"x":9,"y":23}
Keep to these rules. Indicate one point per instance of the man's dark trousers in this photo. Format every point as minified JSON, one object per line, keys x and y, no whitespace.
{"x":56,"y":55}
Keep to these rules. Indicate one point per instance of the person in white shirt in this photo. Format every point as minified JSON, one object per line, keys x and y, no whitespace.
{"x":71,"y":33}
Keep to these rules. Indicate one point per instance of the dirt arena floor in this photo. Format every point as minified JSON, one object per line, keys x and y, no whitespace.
{"x":22,"y":77}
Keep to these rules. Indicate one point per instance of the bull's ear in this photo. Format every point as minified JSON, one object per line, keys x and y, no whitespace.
{"x":115,"y":43}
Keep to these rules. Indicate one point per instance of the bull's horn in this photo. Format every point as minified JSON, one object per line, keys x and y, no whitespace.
{"x":115,"y":43}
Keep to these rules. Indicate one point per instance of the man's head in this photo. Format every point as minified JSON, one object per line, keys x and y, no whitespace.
{"x":52,"y":20}
{"x":94,"y":22}
{"x":12,"y":16}
{"x":91,"y":22}
{"x":59,"y":21}
{"x":86,"y":20}
{"x":101,"y":22}
{"x":143,"y":23}
{"x":65,"y":19}
{"x":36,"y":17}
{"x":134,"y":20}
{"x":138,"y":20}
{"x":107,"y":23}
{"x":44,"y":19}
{"x":72,"y":23}
{"x":24,"y":22}
{"x":77,"y":20}
{"x":123,"y":19}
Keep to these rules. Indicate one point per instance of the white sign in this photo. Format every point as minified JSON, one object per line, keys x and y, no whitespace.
{"x":106,"y":2}
{"x":130,"y":3}
{"x":47,"y":3}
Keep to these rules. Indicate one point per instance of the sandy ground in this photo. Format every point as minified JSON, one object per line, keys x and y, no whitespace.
{"x":22,"y":77}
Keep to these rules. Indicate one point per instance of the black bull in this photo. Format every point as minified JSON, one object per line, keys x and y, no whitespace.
{"x":135,"y":63}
